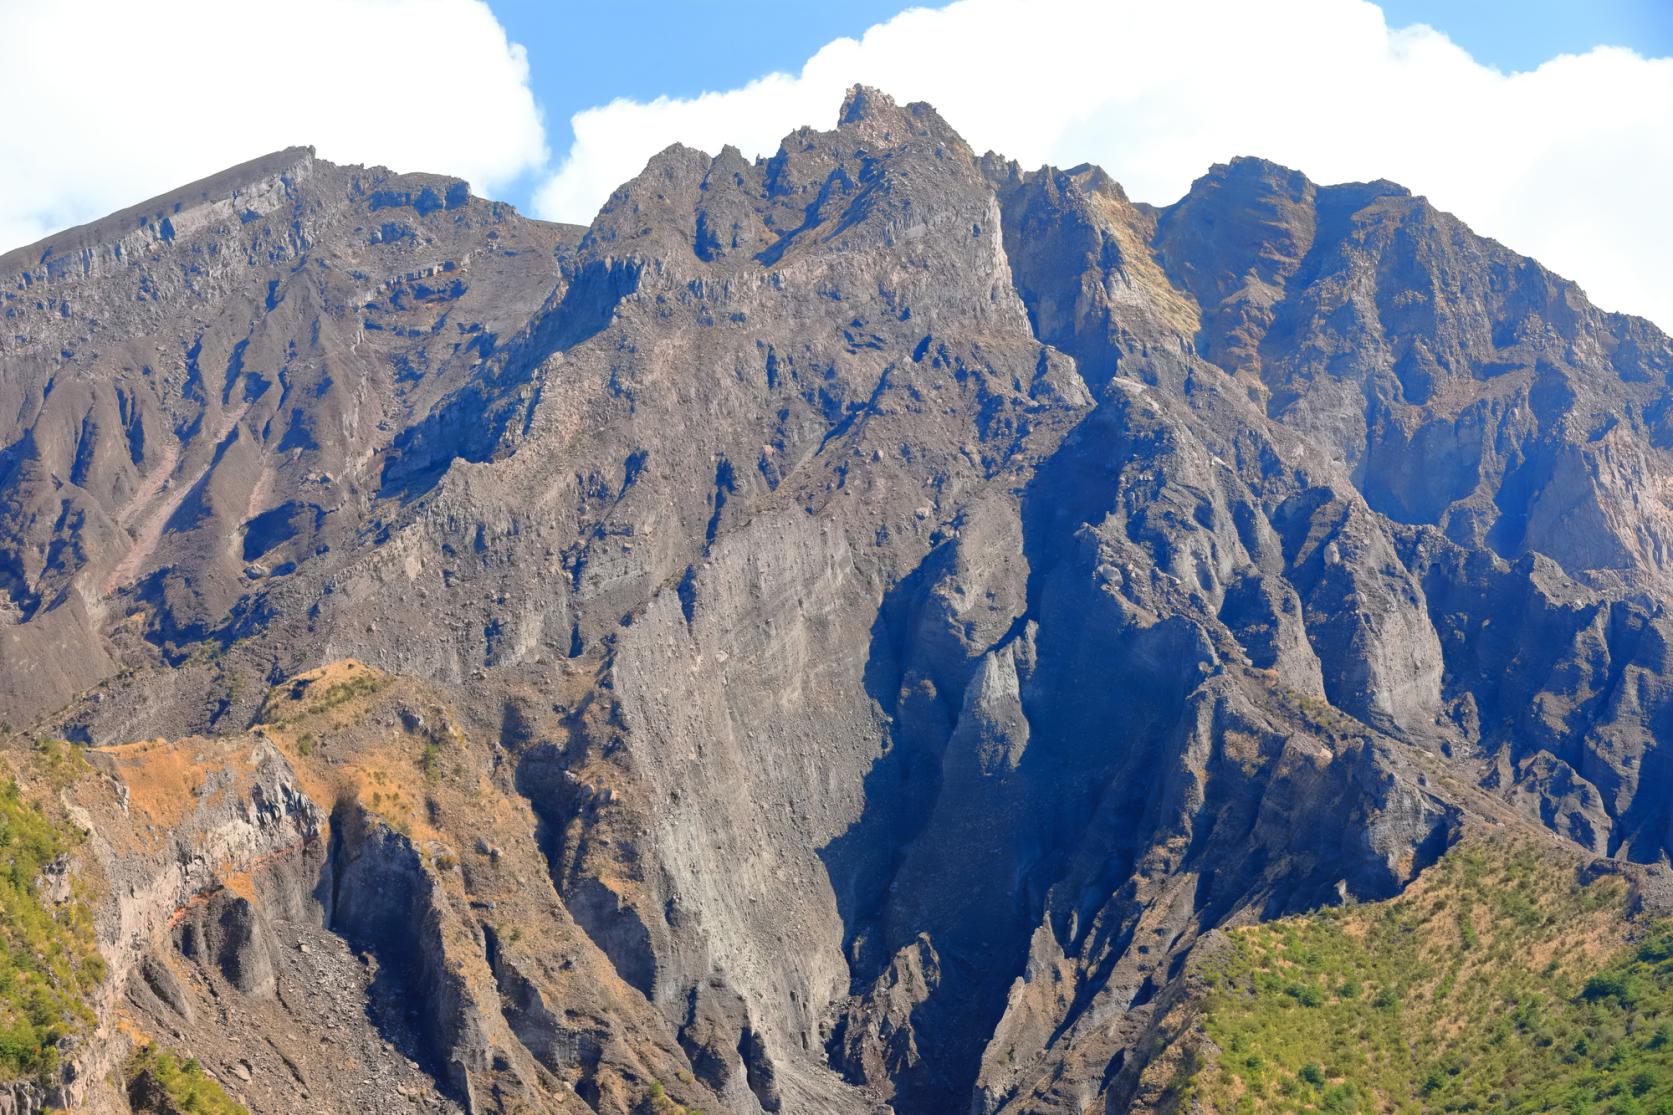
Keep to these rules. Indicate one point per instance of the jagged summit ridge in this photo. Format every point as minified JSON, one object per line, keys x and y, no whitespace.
{"x":875,"y":113}
{"x":255,"y":177}
{"x":838,"y":631}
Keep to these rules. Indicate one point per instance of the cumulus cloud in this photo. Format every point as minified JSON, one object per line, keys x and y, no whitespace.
{"x":1568,"y":162}
{"x":113,"y":101}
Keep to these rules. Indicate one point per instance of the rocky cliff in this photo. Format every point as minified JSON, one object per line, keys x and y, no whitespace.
{"x":833,"y":635}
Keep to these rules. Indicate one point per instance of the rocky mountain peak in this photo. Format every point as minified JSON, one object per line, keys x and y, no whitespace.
{"x":864,"y":104}
{"x":874,"y":115}
{"x":847,"y":631}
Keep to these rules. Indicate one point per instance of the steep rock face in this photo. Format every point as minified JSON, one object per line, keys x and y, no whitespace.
{"x":897,"y":604}
{"x":1465,"y":387}
{"x":217,"y":368}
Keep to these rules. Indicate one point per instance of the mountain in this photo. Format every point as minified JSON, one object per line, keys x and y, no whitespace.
{"x":856,"y":630}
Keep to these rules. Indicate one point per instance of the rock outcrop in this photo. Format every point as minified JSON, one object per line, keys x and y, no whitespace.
{"x":834,"y":635}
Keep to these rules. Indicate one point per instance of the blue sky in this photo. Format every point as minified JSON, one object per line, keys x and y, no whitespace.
{"x":584,"y":53}
{"x":678,"y":48}
{"x":1520,"y":35}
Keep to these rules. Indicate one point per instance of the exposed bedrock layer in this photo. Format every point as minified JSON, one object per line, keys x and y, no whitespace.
{"x":838,"y":631}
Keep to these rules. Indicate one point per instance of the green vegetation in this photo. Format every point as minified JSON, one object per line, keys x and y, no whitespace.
{"x":658,"y":1102}
{"x":1498,"y":982}
{"x":185,"y":1083}
{"x":60,"y":761}
{"x":49,"y":960}
{"x":302,"y":700}
{"x":345,"y":691}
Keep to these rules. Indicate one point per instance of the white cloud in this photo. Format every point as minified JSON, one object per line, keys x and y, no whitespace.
{"x":1569,"y":163}
{"x":113,"y":101}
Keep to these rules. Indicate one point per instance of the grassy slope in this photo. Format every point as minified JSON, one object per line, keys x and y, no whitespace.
{"x":49,"y":960}
{"x":185,"y":1083}
{"x":1498,"y":982}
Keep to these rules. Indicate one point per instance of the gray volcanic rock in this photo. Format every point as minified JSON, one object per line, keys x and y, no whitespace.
{"x":897,"y":604}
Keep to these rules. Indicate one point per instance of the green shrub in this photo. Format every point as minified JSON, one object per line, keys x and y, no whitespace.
{"x":49,"y":958}
{"x":1609,"y":985}
{"x":60,"y":761}
{"x":185,"y":1083}
{"x":1439,"y":1003}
